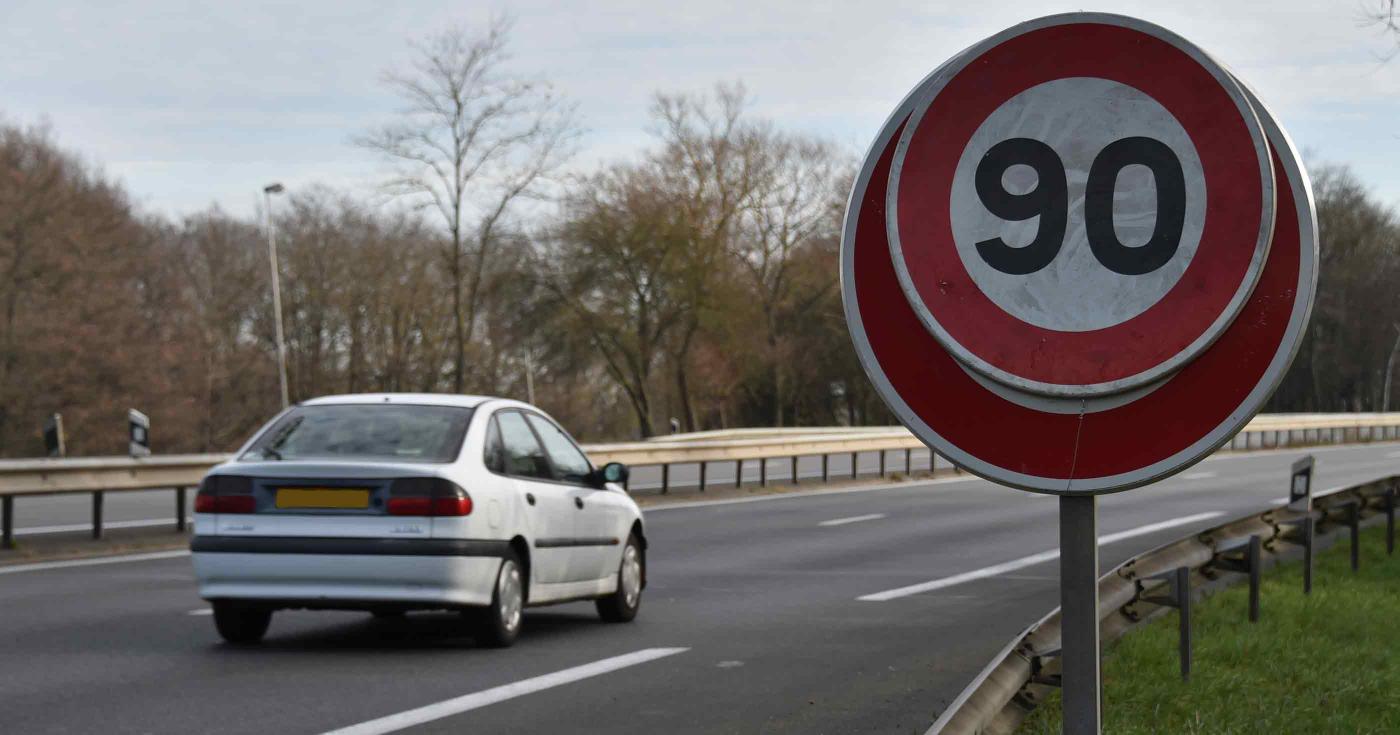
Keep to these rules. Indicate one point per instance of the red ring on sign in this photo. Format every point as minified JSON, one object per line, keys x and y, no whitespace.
{"x":1229,"y":240}
{"x":1055,"y":446}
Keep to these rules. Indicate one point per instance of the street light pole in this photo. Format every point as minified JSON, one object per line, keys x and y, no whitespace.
{"x":268,"y":191}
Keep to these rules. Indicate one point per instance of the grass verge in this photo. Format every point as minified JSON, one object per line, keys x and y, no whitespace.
{"x":1324,"y":663}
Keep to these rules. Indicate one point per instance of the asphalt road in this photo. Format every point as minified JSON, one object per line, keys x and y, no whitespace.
{"x":753,"y":622}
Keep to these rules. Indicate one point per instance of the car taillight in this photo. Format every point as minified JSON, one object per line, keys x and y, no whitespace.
{"x":428,"y":496}
{"x":225,"y":494}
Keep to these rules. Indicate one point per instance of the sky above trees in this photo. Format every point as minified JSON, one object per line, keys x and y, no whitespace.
{"x":190,"y":104}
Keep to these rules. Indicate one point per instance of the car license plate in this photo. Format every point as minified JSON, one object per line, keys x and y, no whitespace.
{"x":322,"y":497}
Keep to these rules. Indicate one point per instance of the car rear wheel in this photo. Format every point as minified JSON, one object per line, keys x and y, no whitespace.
{"x":622,"y":605}
{"x":500,"y":623}
{"x":241,"y":623}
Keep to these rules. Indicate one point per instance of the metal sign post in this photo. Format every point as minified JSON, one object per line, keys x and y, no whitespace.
{"x":1077,"y":258}
{"x":1079,"y":614}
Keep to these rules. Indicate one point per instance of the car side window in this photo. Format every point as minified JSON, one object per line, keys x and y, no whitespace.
{"x":570,"y":464}
{"x":494,"y":454}
{"x":523,"y":455}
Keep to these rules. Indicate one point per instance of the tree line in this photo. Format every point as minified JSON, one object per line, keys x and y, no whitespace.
{"x":693,"y":283}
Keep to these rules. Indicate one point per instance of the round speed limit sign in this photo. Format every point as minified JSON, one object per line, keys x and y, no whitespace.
{"x":1079,"y":256}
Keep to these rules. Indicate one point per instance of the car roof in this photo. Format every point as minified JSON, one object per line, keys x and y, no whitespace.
{"x":422,"y":399}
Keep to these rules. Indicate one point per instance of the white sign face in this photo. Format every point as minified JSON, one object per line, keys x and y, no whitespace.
{"x":1033,"y":196}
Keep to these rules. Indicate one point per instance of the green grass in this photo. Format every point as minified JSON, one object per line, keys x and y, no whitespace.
{"x":1324,"y":663}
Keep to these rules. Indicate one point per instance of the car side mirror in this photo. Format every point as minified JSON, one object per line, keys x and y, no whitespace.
{"x":613,"y":472}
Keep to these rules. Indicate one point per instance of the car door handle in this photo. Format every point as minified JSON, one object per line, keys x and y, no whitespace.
{"x":578,"y":503}
{"x":530,"y":498}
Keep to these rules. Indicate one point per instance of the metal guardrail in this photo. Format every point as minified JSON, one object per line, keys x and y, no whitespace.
{"x":1020,"y":677}
{"x":99,"y":475}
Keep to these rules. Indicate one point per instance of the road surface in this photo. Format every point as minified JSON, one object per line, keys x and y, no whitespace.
{"x":853,"y":611}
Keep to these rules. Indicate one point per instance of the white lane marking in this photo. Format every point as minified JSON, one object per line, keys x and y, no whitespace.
{"x":36,"y":530}
{"x":1392,"y":455}
{"x":852,"y":519}
{"x":1028,"y":561}
{"x":201,"y":611}
{"x":40,"y":566}
{"x":469,"y":702}
{"x":1199,"y":475}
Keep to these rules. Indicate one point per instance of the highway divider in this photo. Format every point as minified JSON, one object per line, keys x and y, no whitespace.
{"x":1019,"y":678}
{"x":101,"y":475}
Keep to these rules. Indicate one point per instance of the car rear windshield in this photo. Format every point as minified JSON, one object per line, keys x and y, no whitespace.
{"x":401,"y":433}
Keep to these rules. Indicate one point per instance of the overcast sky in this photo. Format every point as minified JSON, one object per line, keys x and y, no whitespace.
{"x":194,"y":103}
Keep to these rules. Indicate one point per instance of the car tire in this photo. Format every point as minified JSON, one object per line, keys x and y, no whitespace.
{"x":621,"y":606}
{"x":499,"y":625}
{"x":241,"y":623}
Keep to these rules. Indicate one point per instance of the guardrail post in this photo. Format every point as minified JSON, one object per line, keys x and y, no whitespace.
{"x":796,"y":461}
{"x":1304,"y":538}
{"x":1307,"y":554}
{"x":1249,"y":563}
{"x":180,"y":509}
{"x":908,"y":461}
{"x":665,"y":478}
{"x":825,"y":477}
{"x":97,"y":514}
{"x":1390,"y":521}
{"x":1179,"y":581}
{"x":855,"y":464}
{"x":1354,"y":522}
{"x":763,"y":472}
{"x":882,"y":464}
{"x":703,"y":465}
{"x":1256,"y":573}
{"x":738,"y":473}
{"x":7,"y":533}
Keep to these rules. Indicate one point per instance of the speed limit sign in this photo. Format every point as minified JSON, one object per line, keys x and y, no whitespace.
{"x":1079,"y":256}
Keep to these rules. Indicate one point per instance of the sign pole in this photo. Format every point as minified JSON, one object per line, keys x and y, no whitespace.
{"x":1079,"y":615}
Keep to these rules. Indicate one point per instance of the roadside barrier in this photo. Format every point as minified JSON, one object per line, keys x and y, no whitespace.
{"x":1020,"y":677}
{"x":101,"y":475}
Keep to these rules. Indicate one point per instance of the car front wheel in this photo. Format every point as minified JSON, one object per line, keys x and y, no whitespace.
{"x":241,"y":623}
{"x":621,"y":606}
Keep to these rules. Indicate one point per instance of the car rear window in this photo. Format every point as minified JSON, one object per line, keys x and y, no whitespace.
{"x":397,"y":432}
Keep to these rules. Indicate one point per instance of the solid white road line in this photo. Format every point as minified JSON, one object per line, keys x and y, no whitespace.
{"x":1027,"y":561}
{"x":469,"y":702}
{"x":201,"y":611}
{"x":852,"y":519}
{"x":1199,"y":475}
{"x":36,"y":530}
{"x":40,"y":566}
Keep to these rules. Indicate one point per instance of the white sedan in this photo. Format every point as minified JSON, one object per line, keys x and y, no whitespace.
{"x":396,"y":502}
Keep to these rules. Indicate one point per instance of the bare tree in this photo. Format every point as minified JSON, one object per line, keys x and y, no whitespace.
{"x":795,"y":202}
{"x":708,"y":164}
{"x":473,"y":141}
{"x":1382,"y":14}
{"x":618,"y":265}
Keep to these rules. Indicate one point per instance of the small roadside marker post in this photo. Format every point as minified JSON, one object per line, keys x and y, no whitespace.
{"x":1078,"y":273}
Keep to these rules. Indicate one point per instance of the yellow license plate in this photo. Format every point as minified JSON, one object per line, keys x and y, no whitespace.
{"x":322,"y":497}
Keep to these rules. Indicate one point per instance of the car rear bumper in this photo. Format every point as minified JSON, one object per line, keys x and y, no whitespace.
{"x":347,"y":572}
